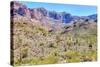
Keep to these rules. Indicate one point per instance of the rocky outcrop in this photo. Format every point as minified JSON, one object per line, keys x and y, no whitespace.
{"x":44,"y":15}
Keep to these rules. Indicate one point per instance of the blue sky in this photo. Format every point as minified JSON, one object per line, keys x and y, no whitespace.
{"x":79,"y":10}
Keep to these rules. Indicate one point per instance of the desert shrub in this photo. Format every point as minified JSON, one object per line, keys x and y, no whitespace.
{"x":72,"y":56}
{"x":71,"y":53}
{"x":33,"y":60}
{"x":17,"y":42}
{"x":73,"y":59}
{"x":41,"y":44}
{"x":69,"y":41}
{"x":24,"y":52}
{"x":92,"y":55}
{"x":50,"y":59}
{"x":58,"y":39}
{"x":53,"y":45}
{"x":17,"y":62}
{"x":43,"y":31}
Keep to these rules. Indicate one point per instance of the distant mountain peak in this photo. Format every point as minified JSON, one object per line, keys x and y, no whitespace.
{"x":43,"y":14}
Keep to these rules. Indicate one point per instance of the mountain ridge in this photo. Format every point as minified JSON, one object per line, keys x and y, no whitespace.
{"x":43,"y":14}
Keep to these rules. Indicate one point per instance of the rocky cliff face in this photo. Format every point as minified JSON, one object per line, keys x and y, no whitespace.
{"x":44,"y":15}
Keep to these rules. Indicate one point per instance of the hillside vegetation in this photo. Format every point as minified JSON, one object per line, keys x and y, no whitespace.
{"x":34,"y":44}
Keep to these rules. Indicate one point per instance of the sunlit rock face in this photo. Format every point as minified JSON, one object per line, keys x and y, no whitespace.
{"x":43,"y":14}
